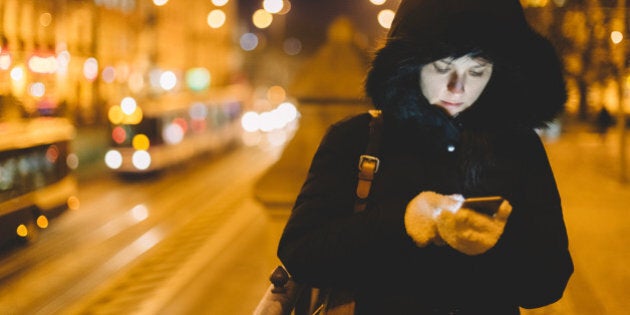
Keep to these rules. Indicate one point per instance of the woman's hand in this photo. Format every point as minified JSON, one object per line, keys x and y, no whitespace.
{"x":421,"y":212}
{"x":471,"y":232}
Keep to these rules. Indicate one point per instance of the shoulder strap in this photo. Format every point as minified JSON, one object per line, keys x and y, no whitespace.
{"x":368,"y":162}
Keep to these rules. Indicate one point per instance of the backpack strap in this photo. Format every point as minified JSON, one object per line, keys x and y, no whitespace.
{"x":368,"y":162}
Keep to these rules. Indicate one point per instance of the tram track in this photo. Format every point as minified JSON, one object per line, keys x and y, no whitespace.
{"x":148,"y":285}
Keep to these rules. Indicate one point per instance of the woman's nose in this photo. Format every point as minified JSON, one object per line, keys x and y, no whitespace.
{"x":456,"y":83}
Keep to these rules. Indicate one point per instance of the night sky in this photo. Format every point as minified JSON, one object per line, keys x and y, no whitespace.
{"x":309,"y":19}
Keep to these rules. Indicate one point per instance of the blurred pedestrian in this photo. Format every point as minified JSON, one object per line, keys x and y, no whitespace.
{"x":461,"y":84}
{"x":604,"y":121}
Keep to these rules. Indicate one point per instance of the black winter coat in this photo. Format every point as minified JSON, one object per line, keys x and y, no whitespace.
{"x":489,"y":149}
{"x":325,"y":244}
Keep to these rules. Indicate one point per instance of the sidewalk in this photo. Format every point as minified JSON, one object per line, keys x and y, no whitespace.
{"x":596,"y":205}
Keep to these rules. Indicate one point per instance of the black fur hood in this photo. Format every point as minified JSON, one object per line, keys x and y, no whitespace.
{"x":526,"y":88}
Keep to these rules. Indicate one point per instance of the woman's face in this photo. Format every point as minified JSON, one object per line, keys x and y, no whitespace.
{"x":455,"y":83}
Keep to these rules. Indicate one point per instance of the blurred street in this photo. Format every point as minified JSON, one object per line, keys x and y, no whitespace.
{"x":194,"y":240}
{"x":167,"y":216}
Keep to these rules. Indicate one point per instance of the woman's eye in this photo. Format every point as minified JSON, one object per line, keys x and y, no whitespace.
{"x":475,"y":73}
{"x":441,"y":69}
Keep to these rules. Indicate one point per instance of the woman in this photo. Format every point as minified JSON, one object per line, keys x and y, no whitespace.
{"x":461,"y":84}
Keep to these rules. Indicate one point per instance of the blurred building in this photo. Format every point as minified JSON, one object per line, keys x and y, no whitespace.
{"x":75,"y":58}
{"x":591,"y":37}
{"x":335,"y":73}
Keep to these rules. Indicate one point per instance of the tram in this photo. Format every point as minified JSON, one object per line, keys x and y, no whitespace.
{"x":152,"y":134}
{"x":36,"y":174}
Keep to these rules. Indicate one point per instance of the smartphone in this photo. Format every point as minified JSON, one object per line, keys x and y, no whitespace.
{"x":486,"y":205}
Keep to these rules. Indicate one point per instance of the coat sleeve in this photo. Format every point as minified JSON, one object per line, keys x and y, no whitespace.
{"x":324,"y":242}
{"x":543,"y":257}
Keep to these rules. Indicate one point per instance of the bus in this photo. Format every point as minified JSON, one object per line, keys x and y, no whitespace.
{"x":152,"y":134}
{"x":36,"y":174}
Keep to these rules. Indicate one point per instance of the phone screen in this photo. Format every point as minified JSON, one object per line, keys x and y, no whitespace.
{"x":486,"y":205}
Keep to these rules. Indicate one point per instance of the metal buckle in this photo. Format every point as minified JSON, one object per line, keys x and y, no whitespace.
{"x":369,"y":159}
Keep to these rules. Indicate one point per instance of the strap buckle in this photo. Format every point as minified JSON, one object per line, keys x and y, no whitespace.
{"x":369,"y":161}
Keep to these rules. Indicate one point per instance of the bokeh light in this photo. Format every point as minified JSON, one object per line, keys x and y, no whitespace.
{"x":219,"y":3}
{"x":115,"y":115}
{"x":262,"y":18}
{"x":46,"y":65}
{"x":140,"y":213}
{"x":22,"y":230}
{"x":216,"y":18}
{"x":273,"y":6}
{"x":276,"y":94}
{"x":63,"y":61}
{"x":168,"y":80}
{"x":113,"y":159}
{"x":72,"y":161}
{"x":288,"y":112}
{"x":250,"y":121}
{"x":42,"y":222}
{"x":45,"y":19}
{"x":249,"y":41}
{"x":109,"y":74}
{"x":140,"y":142}
{"x":17,"y":73}
{"x":37,"y":89}
{"x":198,"y":79}
{"x":73,"y":203}
{"x":616,"y":37}
{"x":269,"y":121}
{"x":286,"y":7}
{"x":292,"y":46}
{"x":141,"y":160}
{"x":173,"y":133}
{"x":52,"y":154}
{"x":386,"y":17}
{"x":128,"y":105}
{"x":119,"y":135}
{"x":5,"y":61}
{"x":90,"y":69}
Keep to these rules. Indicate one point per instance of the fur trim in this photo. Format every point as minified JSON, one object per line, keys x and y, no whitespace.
{"x":526,"y":89}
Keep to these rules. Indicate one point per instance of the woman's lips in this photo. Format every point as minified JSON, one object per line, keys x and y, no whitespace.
{"x":446,"y":103}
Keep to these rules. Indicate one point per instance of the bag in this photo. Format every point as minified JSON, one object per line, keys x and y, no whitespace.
{"x":281,"y":297}
{"x":285,"y":295}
